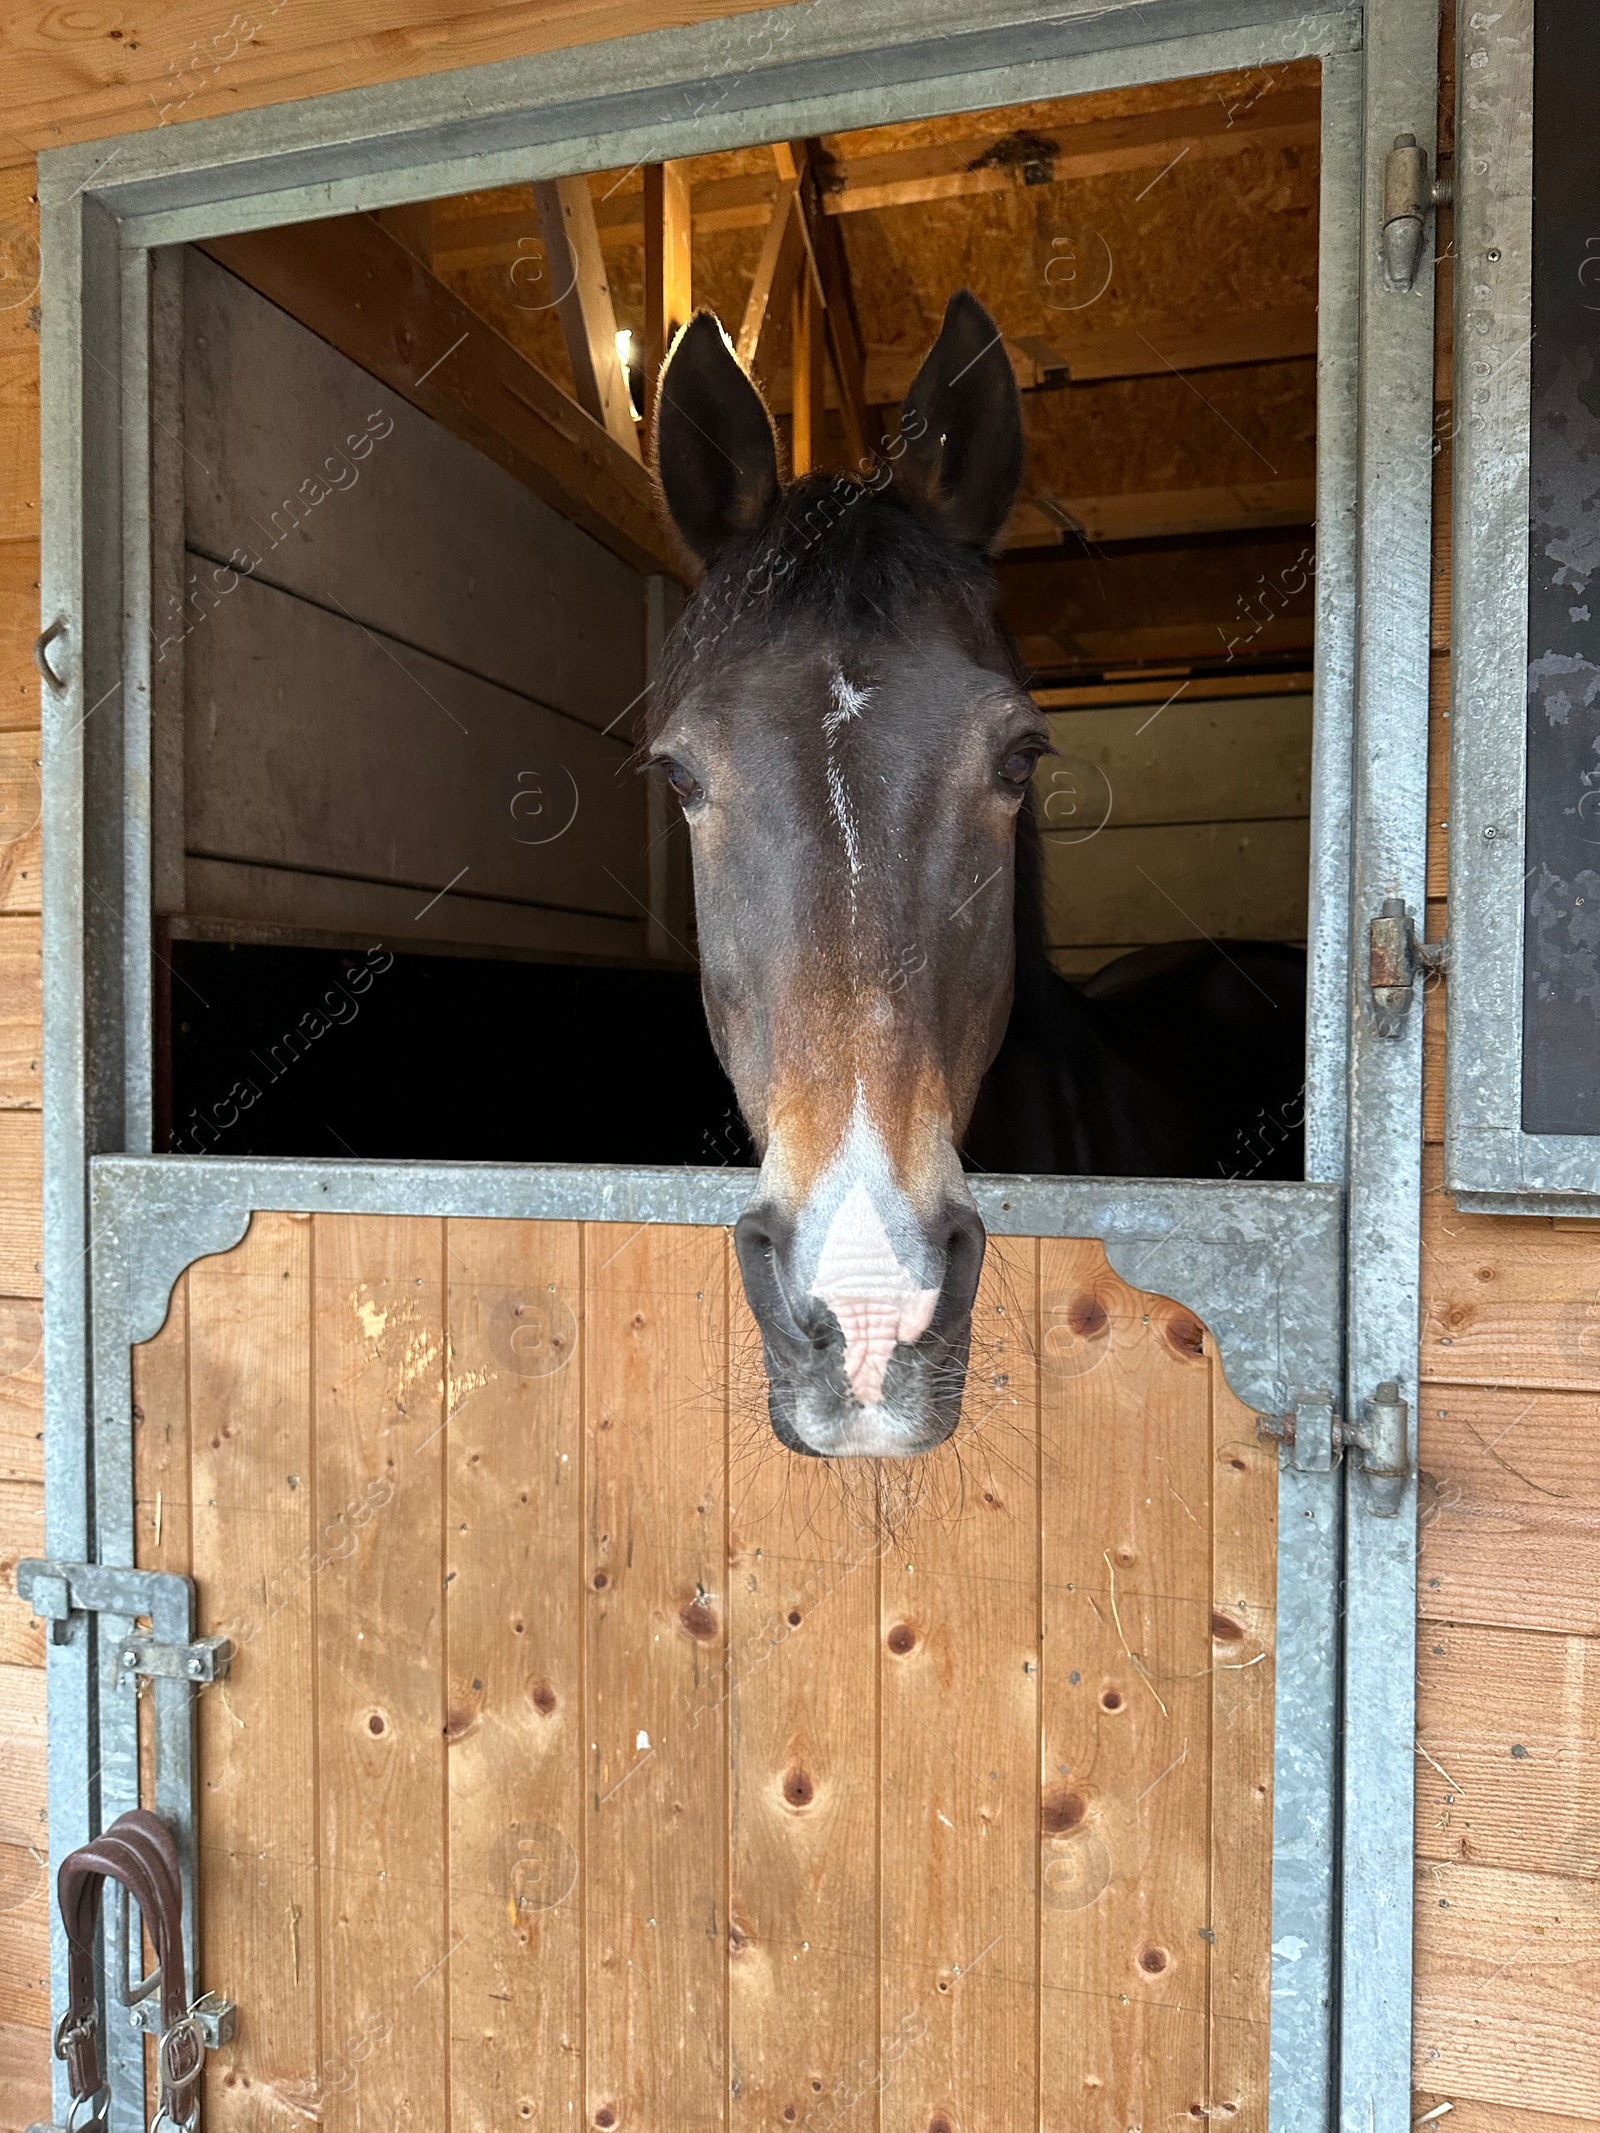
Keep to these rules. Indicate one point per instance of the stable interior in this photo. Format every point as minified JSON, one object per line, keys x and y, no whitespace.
{"x":413,"y":896}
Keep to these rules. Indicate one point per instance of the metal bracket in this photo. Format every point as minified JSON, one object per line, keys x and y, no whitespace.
{"x":177,"y":1663}
{"x":1312,"y":1432}
{"x":1394,"y":957}
{"x":1408,"y":200}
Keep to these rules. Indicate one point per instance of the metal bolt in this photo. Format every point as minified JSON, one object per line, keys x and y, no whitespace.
{"x":130,"y":1657}
{"x":196,"y":1666}
{"x":1491,"y":830}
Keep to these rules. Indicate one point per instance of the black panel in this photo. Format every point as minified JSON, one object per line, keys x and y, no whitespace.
{"x":1561,"y":999}
{"x":306,"y":1052}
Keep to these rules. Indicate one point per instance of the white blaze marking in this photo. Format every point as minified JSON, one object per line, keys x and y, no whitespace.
{"x":876,"y":1301}
{"x":848,"y":702}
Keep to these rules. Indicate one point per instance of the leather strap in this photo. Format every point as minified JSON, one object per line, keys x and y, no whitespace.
{"x":137,"y":1851}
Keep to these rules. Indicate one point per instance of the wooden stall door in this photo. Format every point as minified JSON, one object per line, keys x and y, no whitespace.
{"x":587,"y":1760}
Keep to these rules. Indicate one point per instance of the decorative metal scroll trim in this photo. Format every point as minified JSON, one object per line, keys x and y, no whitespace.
{"x":1259,"y":1264}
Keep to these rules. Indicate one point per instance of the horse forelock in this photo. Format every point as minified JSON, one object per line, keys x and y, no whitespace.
{"x":840,"y":562}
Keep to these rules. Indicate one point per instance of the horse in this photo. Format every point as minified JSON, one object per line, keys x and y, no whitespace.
{"x":847,"y":730}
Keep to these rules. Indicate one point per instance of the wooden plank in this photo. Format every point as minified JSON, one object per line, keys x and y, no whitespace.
{"x":1244,"y":1608}
{"x":111,"y":86}
{"x":832,"y":265}
{"x":417,"y":336}
{"x":1508,"y":1750}
{"x":1439,"y":774}
{"x":415,"y":532}
{"x":25,"y":1944}
{"x":21,"y":1390}
{"x":451,"y":768}
{"x":1506,"y":1300}
{"x":25,"y":2070}
{"x":514,"y":1628}
{"x":766,"y":311}
{"x":21,"y":1204}
{"x":1153,"y":690}
{"x":808,"y":358}
{"x":668,"y":268}
{"x":959,"y":1672}
{"x":19,"y":1014}
{"x":22,"y":1753}
{"x":1465,"y":2115}
{"x":21,"y":1535}
{"x":1227,"y":880}
{"x":383,"y":1930}
{"x":20,"y":808}
{"x":1509,"y":1506}
{"x":1125,"y":1396}
{"x":1161,"y":514}
{"x":588,"y":317}
{"x":655,"y":1847}
{"x":269,"y":1550}
{"x":1507,"y":1999}
{"x":19,"y":626}
{"x":802,"y":1712}
{"x":1179,"y":762}
{"x":229,"y":900}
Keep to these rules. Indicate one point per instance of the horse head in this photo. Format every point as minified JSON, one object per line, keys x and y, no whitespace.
{"x":843,"y":723}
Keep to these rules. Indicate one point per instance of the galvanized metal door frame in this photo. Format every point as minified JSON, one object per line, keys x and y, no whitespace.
{"x":803,"y":69}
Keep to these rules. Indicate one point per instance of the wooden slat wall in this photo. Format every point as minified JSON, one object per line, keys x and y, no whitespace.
{"x":418,"y":676}
{"x":587,"y":1753}
{"x":1508,"y":1641}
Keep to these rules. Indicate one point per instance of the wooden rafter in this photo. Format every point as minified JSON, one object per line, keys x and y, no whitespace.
{"x":808,"y":365}
{"x":784,"y":253}
{"x":668,"y":267}
{"x":833,"y":277}
{"x":588,"y":318}
{"x":416,"y":335}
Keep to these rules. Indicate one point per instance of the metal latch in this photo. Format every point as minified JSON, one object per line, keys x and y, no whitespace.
{"x":1408,"y":199}
{"x":1313,"y":1433}
{"x":1394,"y":956}
{"x":60,"y":1591}
{"x":177,"y":1663}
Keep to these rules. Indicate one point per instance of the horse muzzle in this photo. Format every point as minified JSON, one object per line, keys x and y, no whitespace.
{"x":865,"y":1358}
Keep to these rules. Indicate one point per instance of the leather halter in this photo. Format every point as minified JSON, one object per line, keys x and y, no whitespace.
{"x":138,"y":1852}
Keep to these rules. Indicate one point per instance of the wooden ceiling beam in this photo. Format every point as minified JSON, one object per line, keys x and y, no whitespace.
{"x":1160,"y":514}
{"x":357,"y":287}
{"x":785,"y":255}
{"x":588,"y":317}
{"x":843,"y":329}
{"x":668,"y":268}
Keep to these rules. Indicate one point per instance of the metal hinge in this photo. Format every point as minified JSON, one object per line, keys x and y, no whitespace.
{"x":1313,"y":1433}
{"x":1408,"y":199}
{"x":1394,"y":956}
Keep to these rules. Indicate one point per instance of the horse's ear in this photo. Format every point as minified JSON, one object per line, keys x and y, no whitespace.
{"x":962,"y":422}
{"x":716,"y":457}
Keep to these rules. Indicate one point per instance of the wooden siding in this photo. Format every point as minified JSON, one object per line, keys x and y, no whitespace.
{"x":585,"y":1753}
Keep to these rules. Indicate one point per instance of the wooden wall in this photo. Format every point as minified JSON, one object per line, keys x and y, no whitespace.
{"x":399,"y":669}
{"x":1172,"y":810}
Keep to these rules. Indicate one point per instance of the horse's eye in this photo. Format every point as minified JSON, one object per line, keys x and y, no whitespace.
{"x":1019,"y":766}
{"x":683,"y":782}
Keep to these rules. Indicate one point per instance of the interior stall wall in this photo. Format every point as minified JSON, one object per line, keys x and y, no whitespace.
{"x":405,"y":688}
{"x":1173,"y":811}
